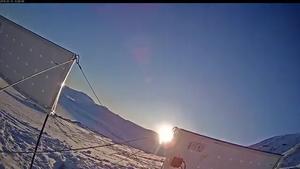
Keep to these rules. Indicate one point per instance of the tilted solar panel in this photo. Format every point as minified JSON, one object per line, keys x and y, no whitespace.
{"x":24,"y":53}
{"x":195,"y":151}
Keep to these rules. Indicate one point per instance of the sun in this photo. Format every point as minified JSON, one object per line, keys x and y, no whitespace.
{"x":165,"y":133}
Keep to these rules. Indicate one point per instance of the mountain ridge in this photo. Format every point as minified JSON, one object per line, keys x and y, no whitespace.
{"x":78,"y":106}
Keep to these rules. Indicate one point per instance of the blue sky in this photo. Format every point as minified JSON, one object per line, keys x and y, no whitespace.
{"x":229,"y":71}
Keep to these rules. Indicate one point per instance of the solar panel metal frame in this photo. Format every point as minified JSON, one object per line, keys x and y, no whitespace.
{"x":47,"y":42}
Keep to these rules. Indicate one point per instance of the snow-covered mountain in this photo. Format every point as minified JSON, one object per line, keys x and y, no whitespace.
{"x":78,"y":106}
{"x":288,"y":145}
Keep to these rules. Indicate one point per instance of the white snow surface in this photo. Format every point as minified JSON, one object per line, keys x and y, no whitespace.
{"x":21,"y":121}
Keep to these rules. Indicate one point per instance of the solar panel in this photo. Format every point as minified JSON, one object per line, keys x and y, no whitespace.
{"x":201,"y":152}
{"x":24,"y":53}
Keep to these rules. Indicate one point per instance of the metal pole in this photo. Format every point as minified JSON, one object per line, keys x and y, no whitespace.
{"x":38,"y":141}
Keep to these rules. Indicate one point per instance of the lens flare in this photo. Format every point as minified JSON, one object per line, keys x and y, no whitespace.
{"x":165,"y":133}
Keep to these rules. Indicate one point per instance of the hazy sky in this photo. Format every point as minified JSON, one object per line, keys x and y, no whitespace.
{"x":227,"y":71}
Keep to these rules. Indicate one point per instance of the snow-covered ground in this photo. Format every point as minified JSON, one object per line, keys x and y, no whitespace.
{"x":20,"y":122}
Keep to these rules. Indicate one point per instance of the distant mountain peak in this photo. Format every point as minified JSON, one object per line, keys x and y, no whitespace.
{"x":76,"y":96}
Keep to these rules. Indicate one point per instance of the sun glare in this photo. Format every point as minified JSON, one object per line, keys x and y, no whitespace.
{"x":165,"y":133}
